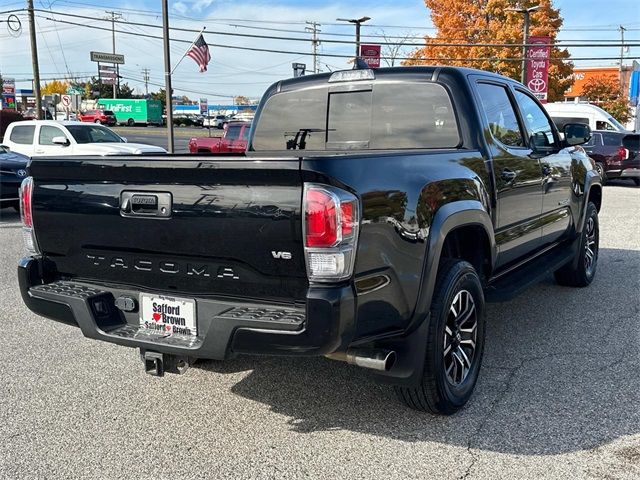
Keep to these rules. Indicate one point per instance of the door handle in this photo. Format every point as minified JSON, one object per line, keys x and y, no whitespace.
{"x":508,"y":175}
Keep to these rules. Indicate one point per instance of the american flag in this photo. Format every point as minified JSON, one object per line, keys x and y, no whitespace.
{"x":200,"y":53}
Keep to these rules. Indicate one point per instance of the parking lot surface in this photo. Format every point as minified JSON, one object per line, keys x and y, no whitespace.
{"x":558,"y":395}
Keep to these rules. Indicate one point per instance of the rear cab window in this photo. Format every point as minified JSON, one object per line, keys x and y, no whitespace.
{"x":367,"y":116}
{"x":22,"y":134}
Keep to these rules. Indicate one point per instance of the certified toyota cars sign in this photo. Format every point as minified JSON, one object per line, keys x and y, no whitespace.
{"x":371,"y":55}
{"x":538,"y":67}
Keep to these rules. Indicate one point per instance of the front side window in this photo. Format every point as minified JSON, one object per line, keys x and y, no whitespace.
{"x":536,"y":123}
{"x":245,"y":134}
{"x":47,"y":134}
{"x":500,"y":114}
{"x":22,"y":134}
{"x":595,"y":140}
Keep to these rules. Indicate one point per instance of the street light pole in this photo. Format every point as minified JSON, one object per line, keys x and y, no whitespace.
{"x":525,"y":36}
{"x":357,"y":22}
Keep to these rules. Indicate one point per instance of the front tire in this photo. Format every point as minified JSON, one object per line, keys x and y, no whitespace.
{"x":581,"y":271}
{"x":98,"y":122}
{"x":637,"y":182}
{"x":455,"y":342}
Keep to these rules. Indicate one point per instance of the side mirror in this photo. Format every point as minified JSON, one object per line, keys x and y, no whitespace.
{"x":576,"y":133}
{"x":60,"y":141}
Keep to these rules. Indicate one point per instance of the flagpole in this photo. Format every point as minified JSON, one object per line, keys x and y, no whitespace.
{"x":187,"y":50}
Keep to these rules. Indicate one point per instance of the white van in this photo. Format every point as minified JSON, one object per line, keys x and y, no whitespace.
{"x":595,"y":117}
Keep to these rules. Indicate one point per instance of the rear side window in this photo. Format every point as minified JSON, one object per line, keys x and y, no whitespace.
{"x":109,"y":112}
{"x":23,"y":134}
{"x":502,"y":119}
{"x":382,"y":116}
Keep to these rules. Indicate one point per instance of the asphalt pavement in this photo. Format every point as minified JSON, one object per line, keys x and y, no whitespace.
{"x":558,"y":396}
{"x":158,"y":136}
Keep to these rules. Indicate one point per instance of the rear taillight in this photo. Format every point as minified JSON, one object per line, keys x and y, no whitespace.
{"x":623,"y":153}
{"x":331,"y":221}
{"x":26,"y":213}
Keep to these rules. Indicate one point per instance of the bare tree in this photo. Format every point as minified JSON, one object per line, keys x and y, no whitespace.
{"x":402,"y":45}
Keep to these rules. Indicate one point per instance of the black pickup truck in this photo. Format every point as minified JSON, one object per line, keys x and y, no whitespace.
{"x":371,"y":217}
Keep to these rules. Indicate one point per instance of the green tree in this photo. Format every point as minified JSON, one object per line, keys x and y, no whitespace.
{"x":489,"y":21}
{"x":94,"y":89}
{"x":160,"y":95}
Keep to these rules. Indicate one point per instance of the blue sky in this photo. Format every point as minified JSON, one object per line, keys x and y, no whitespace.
{"x":64,"y":48}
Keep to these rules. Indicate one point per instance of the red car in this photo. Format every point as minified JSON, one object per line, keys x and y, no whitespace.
{"x":106,"y":117}
{"x":234,"y":140}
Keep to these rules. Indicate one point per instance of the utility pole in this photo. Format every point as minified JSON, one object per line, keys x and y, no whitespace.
{"x":167,"y":75}
{"x":357,"y":22}
{"x":622,"y":30}
{"x":315,"y":42}
{"x":525,"y":36}
{"x":115,"y":16}
{"x":145,"y":77}
{"x":34,"y":60}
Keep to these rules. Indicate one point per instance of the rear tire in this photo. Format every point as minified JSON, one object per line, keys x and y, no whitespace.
{"x":603,"y":175}
{"x":581,"y":271}
{"x":98,"y":122}
{"x":455,"y":342}
{"x":131,"y":122}
{"x":637,"y":182}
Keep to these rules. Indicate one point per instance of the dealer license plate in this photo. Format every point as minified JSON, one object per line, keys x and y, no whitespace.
{"x":168,"y":315}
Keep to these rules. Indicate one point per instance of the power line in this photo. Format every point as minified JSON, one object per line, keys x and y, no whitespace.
{"x":345,"y":42}
{"x":335,"y":55}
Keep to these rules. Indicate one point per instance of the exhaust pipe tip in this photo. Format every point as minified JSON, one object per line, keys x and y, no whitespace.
{"x":370,"y":358}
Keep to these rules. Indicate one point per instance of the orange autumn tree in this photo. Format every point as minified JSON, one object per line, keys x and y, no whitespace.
{"x":488,"y":21}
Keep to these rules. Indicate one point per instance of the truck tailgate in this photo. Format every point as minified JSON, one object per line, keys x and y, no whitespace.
{"x":231,"y":227}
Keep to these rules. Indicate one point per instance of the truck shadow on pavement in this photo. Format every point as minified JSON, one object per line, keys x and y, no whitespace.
{"x":559,"y":375}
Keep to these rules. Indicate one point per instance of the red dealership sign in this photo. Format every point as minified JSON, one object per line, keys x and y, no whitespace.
{"x":538,"y":67}
{"x":371,"y":55}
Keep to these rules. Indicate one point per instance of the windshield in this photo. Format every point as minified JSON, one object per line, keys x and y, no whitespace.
{"x":616,"y":124}
{"x":93,"y":134}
